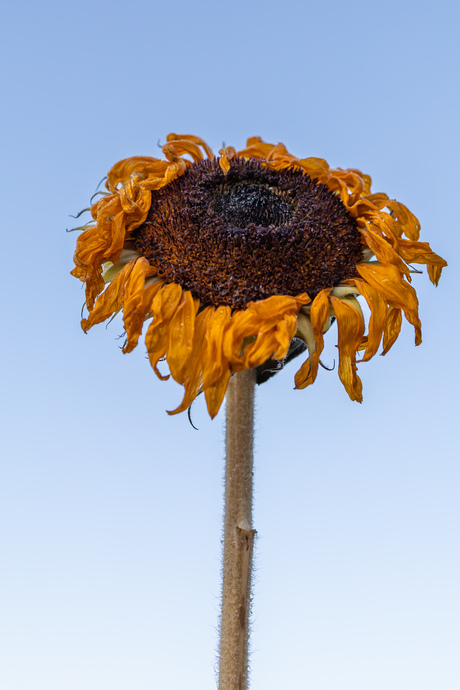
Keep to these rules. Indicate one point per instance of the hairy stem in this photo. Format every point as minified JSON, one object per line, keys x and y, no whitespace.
{"x":238,"y":533}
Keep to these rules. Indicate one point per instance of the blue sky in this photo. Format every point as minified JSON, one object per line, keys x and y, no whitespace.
{"x":110,"y":510}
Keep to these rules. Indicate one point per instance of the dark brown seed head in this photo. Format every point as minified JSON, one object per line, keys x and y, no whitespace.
{"x":248,"y":234}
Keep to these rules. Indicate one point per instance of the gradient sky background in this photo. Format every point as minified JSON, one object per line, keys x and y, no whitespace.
{"x":110,"y":517}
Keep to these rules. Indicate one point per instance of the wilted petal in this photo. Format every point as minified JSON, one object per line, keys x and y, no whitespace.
{"x":388,"y":281}
{"x":392,"y":328}
{"x":350,"y":327}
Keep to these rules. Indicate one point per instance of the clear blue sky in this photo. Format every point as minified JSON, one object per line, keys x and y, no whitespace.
{"x":110,"y":511}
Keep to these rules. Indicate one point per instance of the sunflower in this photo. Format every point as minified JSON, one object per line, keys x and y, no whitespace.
{"x":244,"y":260}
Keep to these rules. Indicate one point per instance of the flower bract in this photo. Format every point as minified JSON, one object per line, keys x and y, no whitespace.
{"x":245,"y":259}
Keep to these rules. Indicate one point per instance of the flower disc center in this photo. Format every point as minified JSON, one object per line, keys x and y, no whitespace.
{"x":248,"y":234}
{"x":247,"y":203}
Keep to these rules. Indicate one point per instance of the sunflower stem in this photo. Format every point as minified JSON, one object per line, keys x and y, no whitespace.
{"x":238,"y":533}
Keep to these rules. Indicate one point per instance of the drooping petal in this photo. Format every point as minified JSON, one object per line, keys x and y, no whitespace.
{"x":164,"y":305}
{"x":350,"y":327}
{"x":137,"y":301}
{"x":156,"y":356}
{"x":240,"y":330}
{"x":216,"y":362}
{"x":194,"y":368}
{"x":392,"y":328}
{"x":215,"y":394}
{"x":134,"y":325}
{"x":378,"y":308}
{"x":265,"y":329}
{"x":271,"y":341}
{"x":405,"y":219}
{"x":252,"y":332}
{"x":319,"y":313}
{"x":110,"y":301}
{"x":271,"y":310}
{"x":283,"y":334}
{"x":181,"y":329}
{"x":388,"y":281}
{"x":383,"y":250}
{"x":421,"y":253}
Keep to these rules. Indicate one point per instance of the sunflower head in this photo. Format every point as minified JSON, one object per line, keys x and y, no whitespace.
{"x":243,"y":261}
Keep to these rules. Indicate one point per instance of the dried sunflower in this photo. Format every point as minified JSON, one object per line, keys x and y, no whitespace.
{"x":243,"y":260}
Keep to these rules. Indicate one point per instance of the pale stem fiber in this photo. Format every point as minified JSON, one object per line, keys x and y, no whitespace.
{"x":238,"y":533}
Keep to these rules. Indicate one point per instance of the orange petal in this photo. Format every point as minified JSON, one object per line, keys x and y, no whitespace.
{"x":316,"y":168}
{"x":216,"y":362}
{"x":154,"y":358}
{"x":319,"y":313}
{"x":388,"y":281}
{"x":378,"y":308}
{"x":383,"y":250}
{"x":193,"y":139}
{"x":240,"y":331}
{"x":137,"y":301}
{"x":110,"y":301}
{"x":261,"y":349}
{"x":181,"y":329}
{"x":194,"y":372}
{"x":421,"y":253}
{"x":392,"y":328}
{"x":134,"y":321}
{"x":215,"y":394}
{"x":283,"y":334}
{"x":224,"y":163}
{"x":174,"y":149}
{"x":264,"y":329}
{"x":226,"y":155}
{"x":256,"y":149}
{"x":164,"y":305}
{"x":271,"y":310}
{"x":350,"y":326}
{"x":272,"y":341}
{"x":140,"y":165}
{"x":405,"y":219}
